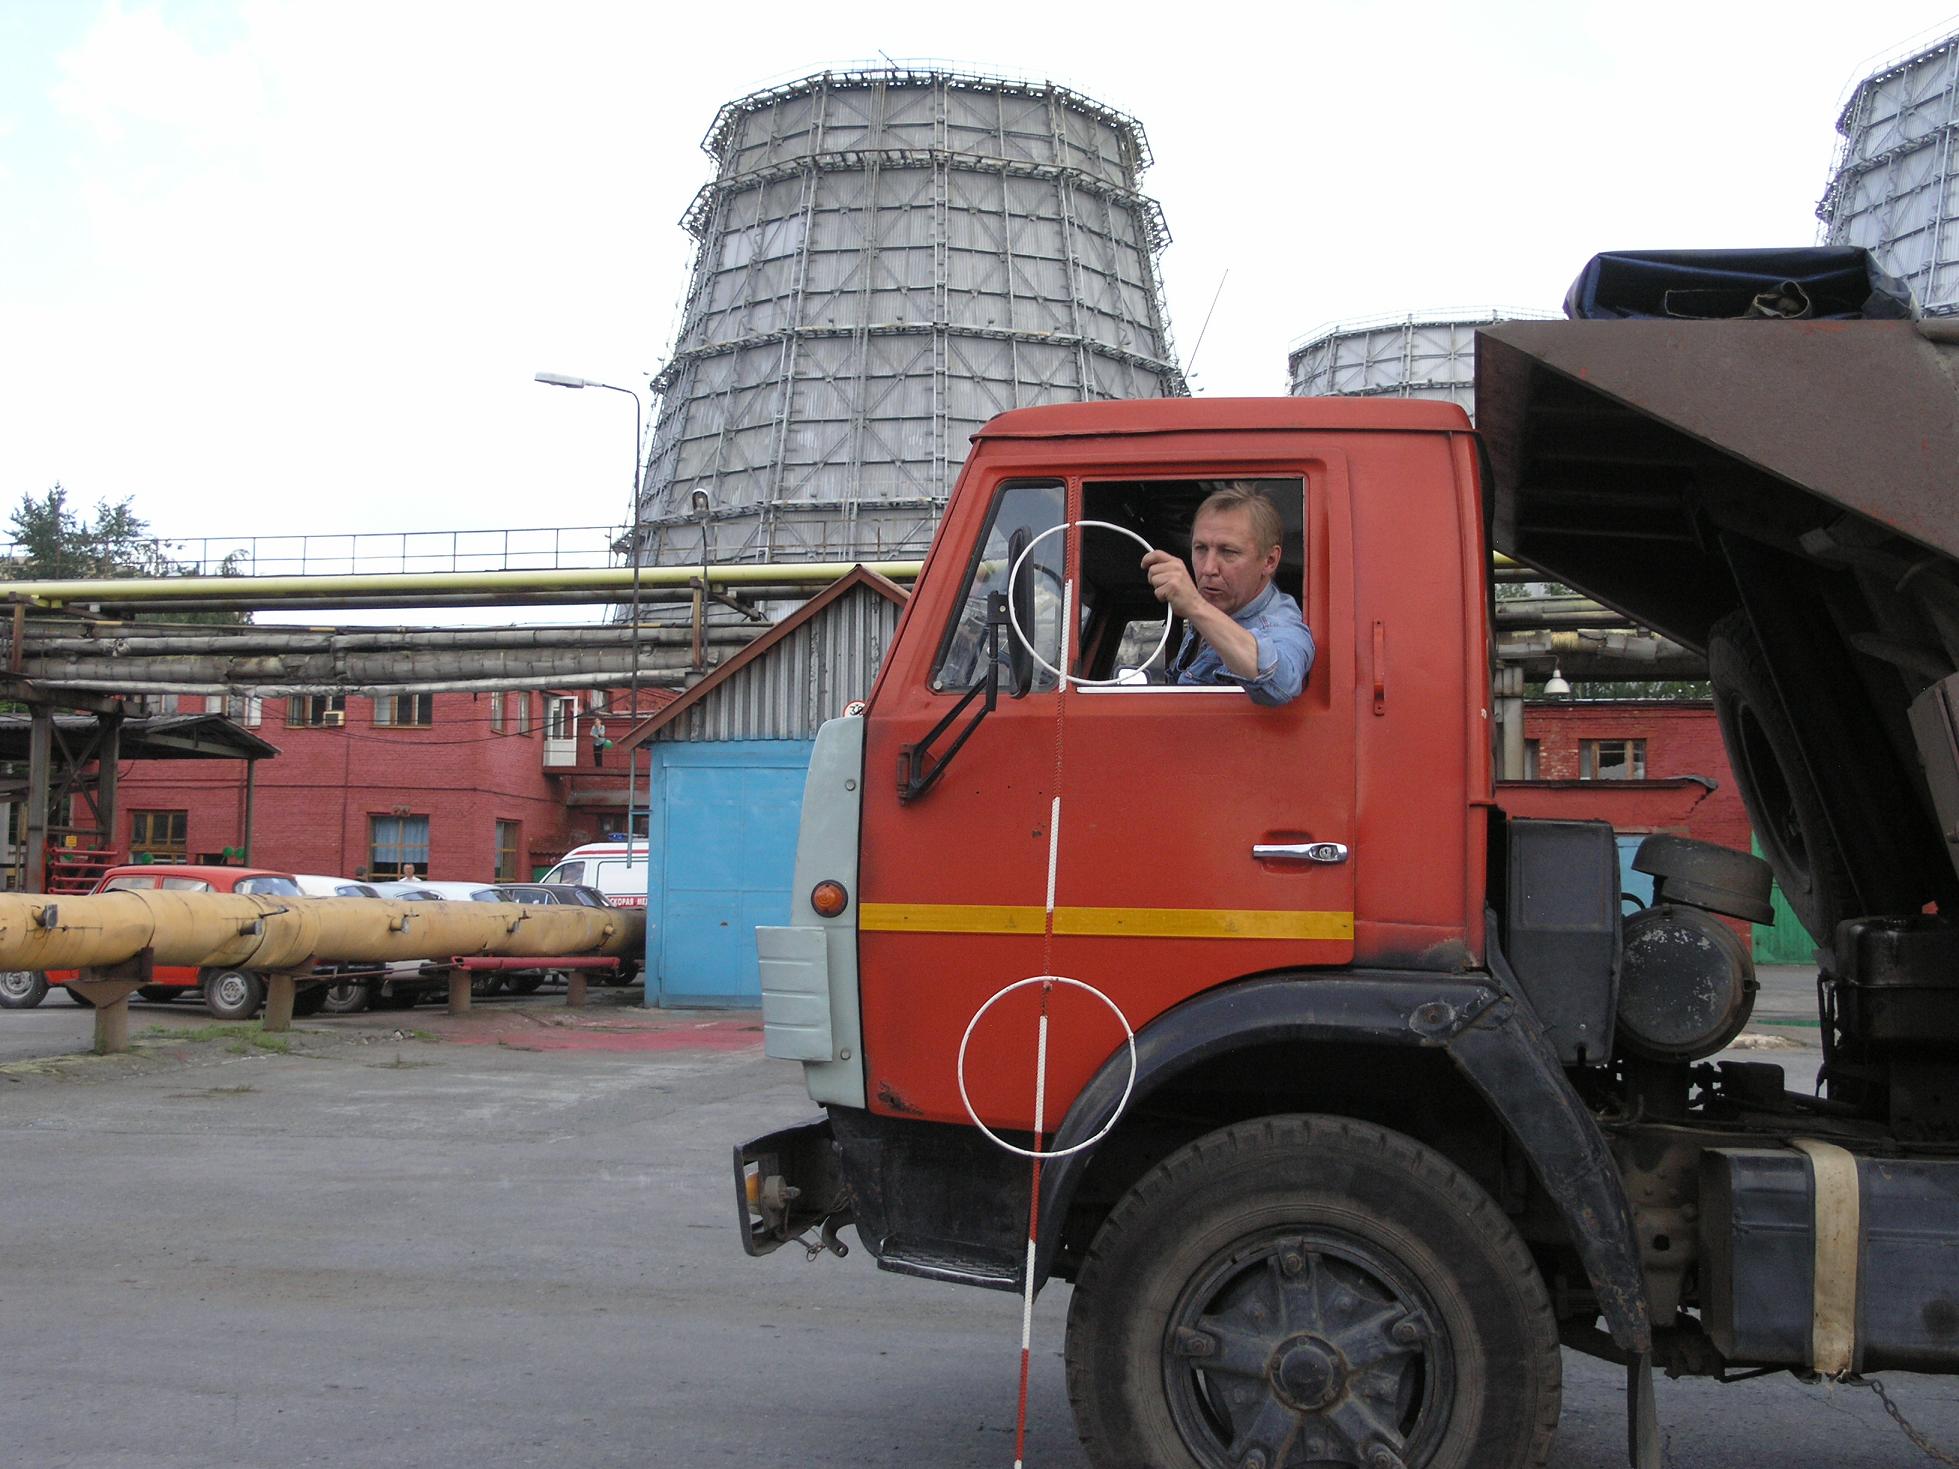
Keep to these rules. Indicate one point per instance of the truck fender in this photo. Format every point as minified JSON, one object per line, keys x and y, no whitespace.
{"x":1494,"y":1042}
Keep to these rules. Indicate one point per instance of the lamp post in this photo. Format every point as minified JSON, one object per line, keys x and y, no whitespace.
{"x":561,"y":380}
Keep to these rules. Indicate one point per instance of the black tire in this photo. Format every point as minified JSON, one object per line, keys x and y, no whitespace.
{"x":525,"y":984}
{"x":398,"y":1000}
{"x":159,"y":994}
{"x":309,"y":999}
{"x":233,"y":994}
{"x":22,"y":989}
{"x":345,"y":997}
{"x":1285,"y":1252}
{"x":1790,"y":820}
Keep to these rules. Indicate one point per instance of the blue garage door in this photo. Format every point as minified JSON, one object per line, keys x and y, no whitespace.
{"x":726,"y":817}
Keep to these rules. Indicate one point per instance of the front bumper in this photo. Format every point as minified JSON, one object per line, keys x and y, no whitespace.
{"x":788,"y":1183}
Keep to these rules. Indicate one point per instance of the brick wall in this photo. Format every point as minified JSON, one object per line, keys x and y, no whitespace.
{"x":1682,"y":739}
{"x":314,"y":801}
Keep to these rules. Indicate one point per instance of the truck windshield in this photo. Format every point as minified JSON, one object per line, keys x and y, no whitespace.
{"x":1021,"y":509}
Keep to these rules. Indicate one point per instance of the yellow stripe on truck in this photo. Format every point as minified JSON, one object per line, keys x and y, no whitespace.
{"x":1153,"y":923}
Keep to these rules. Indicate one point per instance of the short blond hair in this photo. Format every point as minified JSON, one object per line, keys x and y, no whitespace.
{"x":1242,"y":494}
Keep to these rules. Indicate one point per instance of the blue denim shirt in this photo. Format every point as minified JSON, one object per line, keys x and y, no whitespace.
{"x":1285,"y":651}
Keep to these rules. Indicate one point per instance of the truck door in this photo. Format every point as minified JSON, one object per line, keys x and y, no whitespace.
{"x":1166,"y":792}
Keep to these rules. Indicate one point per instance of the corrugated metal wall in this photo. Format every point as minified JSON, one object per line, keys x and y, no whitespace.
{"x":805,"y":679}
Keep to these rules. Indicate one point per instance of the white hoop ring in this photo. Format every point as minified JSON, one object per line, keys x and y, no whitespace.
{"x":1127,"y":1088}
{"x":1013,"y":618}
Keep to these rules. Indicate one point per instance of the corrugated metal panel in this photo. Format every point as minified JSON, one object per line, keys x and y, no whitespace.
{"x":887,"y":260}
{"x":805,"y":679}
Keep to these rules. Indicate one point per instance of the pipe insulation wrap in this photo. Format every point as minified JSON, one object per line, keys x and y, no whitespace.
{"x":239,"y":931}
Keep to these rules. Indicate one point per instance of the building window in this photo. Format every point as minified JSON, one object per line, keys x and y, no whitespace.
{"x":409,"y":711}
{"x":1532,"y":750}
{"x":509,"y":834}
{"x":520,"y":713}
{"x":395,"y":842}
{"x":316,"y":710}
{"x":1612,"y":760}
{"x":496,"y":713}
{"x":245,"y":709}
{"x":160,"y":836}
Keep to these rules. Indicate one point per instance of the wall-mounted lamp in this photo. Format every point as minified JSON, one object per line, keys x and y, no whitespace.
{"x":1555,"y":684}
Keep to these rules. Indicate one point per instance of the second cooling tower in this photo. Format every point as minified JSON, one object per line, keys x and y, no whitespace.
{"x":887,"y":260}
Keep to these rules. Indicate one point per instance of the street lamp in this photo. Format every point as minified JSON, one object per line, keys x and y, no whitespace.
{"x":562,"y":380}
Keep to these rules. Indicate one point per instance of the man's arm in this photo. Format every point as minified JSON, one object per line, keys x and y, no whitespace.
{"x":1171,"y":582}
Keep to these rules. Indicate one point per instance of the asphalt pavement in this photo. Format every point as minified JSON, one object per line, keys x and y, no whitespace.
{"x":509,"y":1239}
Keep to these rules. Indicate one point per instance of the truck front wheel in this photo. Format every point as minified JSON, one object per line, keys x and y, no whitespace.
{"x":1311,"y":1290}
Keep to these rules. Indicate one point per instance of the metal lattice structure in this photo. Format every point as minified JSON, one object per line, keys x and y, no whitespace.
{"x":1895,"y":188}
{"x":887,"y":259}
{"x":1420,"y":355}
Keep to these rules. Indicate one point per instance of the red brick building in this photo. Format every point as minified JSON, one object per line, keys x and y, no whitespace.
{"x":464,"y":786}
{"x":1643,"y":765}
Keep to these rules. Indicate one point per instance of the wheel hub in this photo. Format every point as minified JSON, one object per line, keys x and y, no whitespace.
{"x":1307,"y":1373}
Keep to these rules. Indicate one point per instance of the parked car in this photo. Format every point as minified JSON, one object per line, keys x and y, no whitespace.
{"x":312,"y":885}
{"x":611,"y":867}
{"x":484,"y":982}
{"x":354,"y":993}
{"x":229,"y":994}
{"x":577,"y":895}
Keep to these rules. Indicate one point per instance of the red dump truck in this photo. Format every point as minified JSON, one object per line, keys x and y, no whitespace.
{"x":1410,"y":1105}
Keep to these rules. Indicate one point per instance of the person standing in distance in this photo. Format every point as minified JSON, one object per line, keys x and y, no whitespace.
{"x":1238,"y":627}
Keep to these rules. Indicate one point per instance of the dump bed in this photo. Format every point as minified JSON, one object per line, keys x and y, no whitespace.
{"x":1781,"y":494}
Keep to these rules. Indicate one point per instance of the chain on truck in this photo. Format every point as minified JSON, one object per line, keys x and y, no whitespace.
{"x":1415,"y":1105}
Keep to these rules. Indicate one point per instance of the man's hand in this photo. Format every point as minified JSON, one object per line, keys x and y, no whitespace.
{"x":1171,"y":582}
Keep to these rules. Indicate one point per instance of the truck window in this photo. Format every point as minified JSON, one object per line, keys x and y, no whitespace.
{"x":1021,"y":511}
{"x":1122,"y":621}
{"x":566,"y":872}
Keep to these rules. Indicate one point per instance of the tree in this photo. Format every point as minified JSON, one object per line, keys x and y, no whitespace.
{"x":54,"y":543}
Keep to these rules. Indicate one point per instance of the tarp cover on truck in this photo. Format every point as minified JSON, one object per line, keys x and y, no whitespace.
{"x":1824,"y":283}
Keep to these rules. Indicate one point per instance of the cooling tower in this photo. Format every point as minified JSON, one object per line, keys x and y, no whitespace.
{"x":887,"y":259}
{"x":1893,"y":191}
{"x":1425,"y":355}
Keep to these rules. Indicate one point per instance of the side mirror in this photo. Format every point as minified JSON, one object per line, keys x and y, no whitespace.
{"x":1020,"y":662}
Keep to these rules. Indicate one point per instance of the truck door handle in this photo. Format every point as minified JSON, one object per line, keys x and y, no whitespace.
{"x":1330,"y":852}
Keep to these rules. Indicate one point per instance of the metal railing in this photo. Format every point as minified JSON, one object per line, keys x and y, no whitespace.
{"x":368,"y":553}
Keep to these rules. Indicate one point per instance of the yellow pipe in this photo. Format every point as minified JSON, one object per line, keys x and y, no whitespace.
{"x":604,"y":579}
{"x":237,"y":931}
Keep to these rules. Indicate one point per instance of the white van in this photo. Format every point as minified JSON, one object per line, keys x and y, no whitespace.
{"x":604,"y":865}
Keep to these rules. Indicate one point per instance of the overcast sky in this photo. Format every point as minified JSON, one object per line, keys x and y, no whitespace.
{"x":283,"y":267}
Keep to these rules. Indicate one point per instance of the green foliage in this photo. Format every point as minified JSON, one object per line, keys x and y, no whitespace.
{"x":53,"y":542}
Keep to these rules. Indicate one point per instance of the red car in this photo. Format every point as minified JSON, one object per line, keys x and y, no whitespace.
{"x":229,"y":994}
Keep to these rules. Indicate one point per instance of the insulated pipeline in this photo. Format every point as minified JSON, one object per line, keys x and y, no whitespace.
{"x":53,"y":931}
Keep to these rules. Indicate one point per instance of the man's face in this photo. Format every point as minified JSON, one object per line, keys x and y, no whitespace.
{"x":1225,"y":559}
